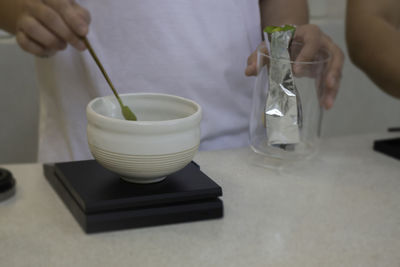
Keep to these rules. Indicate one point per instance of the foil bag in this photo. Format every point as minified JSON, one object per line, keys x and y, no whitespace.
{"x":283,"y":112}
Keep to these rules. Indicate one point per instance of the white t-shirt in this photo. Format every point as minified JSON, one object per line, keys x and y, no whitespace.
{"x":194,"y":49}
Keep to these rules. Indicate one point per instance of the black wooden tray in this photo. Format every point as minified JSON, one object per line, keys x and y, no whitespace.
{"x":101,"y":201}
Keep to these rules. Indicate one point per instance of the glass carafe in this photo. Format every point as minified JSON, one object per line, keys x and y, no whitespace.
{"x":308,"y":77}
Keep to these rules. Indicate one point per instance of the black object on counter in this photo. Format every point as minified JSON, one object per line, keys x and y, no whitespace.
{"x":101,"y":201}
{"x":390,"y":147}
{"x":7,"y":184}
{"x":394,"y":129}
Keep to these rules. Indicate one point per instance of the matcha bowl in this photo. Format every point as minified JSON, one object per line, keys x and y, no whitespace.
{"x":163,"y":140}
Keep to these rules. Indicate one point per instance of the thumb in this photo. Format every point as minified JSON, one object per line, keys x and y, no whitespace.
{"x":251,"y":68}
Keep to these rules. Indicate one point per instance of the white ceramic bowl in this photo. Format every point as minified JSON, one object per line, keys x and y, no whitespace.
{"x":163,"y":140}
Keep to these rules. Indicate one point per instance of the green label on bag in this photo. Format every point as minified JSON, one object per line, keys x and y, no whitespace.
{"x":271,"y":29}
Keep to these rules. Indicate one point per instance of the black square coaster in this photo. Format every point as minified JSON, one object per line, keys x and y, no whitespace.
{"x":389,"y":147}
{"x":101,"y":201}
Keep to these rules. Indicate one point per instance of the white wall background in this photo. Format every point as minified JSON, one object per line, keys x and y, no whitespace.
{"x":360,"y":107}
{"x":18,"y":103}
{"x":327,"y":8}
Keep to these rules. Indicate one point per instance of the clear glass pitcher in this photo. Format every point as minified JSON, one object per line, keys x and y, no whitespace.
{"x":308,"y":77}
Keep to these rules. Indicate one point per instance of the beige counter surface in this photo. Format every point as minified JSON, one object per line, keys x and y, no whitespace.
{"x":341,"y":208}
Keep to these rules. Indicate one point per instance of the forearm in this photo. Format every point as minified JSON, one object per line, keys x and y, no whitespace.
{"x":278,"y":12}
{"x":373,"y":46}
{"x":9,"y":12}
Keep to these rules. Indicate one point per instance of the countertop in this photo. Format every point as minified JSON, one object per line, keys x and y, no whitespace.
{"x":340,"y":208}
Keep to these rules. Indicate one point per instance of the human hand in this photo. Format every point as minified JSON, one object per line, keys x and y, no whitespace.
{"x":313,"y":39}
{"x":47,"y":26}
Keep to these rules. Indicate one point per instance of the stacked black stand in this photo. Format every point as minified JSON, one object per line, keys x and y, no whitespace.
{"x":101,"y":201}
{"x":389,"y":147}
